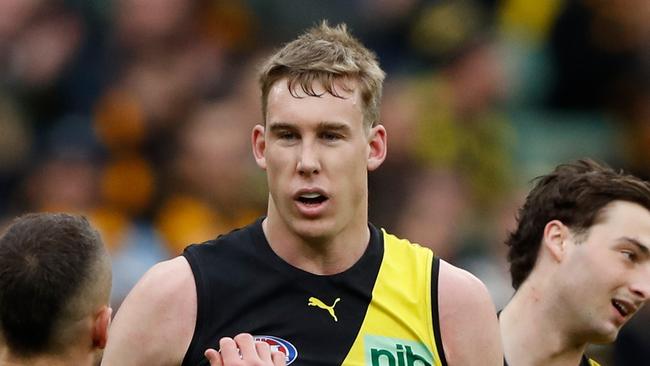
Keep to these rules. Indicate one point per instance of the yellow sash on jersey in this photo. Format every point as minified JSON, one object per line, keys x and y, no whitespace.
{"x":398,"y":329}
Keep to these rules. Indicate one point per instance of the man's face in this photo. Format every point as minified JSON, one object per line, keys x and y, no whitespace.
{"x":317,"y":153}
{"x":608,"y":274}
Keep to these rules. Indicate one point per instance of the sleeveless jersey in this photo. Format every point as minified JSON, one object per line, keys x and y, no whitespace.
{"x":381,"y":311}
{"x":588,"y":362}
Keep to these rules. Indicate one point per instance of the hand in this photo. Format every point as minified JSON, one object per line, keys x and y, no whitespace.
{"x":243,"y":350}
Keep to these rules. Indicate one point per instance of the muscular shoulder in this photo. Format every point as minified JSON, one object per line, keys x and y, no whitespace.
{"x":158,"y":314}
{"x":468,"y":322}
{"x":459,"y":285}
{"x":167,"y":285}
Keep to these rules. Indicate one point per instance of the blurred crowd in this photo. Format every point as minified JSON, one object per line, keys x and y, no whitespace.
{"x":138,"y":114}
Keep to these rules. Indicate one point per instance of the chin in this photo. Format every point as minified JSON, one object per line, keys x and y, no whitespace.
{"x":313,"y":229}
{"x":606,"y":335}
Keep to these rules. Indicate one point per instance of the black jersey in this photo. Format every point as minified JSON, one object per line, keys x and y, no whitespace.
{"x":382,"y":310}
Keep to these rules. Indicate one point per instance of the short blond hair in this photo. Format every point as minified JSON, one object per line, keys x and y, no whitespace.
{"x":326,"y":54}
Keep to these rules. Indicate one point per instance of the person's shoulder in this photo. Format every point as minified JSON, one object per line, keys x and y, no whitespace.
{"x":170,"y":275}
{"x":461,"y":284}
{"x":460,"y":292}
{"x":144,"y":317}
{"x":228,"y":241}
{"x":167,"y":286}
{"x":403,"y":243}
{"x":467,"y":318}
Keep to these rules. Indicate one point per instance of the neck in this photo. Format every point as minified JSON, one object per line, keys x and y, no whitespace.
{"x":321,"y":255}
{"x":534,"y":332}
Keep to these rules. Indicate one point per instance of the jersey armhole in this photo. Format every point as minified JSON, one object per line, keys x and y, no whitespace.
{"x":435,"y":269}
{"x":198,"y":281}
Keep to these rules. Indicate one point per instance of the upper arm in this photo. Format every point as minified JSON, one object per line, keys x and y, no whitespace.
{"x":155,"y":323}
{"x":468,"y":322}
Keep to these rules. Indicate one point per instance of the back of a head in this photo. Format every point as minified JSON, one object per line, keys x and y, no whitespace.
{"x":574,"y":194}
{"x":325,"y":54}
{"x":54,"y":271}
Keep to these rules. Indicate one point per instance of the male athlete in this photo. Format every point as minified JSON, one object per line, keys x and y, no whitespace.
{"x":312,"y":278}
{"x":55,"y":283}
{"x":580,"y":264}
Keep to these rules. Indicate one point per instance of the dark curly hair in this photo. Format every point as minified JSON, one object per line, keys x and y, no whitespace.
{"x":574,"y":194}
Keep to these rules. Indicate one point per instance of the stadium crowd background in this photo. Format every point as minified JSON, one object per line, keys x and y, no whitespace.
{"x":137,"y":113}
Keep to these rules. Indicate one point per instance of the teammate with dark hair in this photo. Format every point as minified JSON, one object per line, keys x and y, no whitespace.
{"x":580,"y":264}
{"x":55,"y":283}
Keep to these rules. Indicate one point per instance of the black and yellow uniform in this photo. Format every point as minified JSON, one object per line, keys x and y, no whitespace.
{"x":381,"y":311}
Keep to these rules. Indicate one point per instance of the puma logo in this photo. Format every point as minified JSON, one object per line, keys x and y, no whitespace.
{"x":330,"y":309}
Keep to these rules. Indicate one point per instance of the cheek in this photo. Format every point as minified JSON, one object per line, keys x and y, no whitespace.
{"x":278,"y":162}
{"x":276,"y":175}
{"x":356,"y":174}
{"x":597,"y":276}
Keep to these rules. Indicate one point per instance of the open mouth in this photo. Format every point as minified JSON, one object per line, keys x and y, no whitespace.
{"x":622,"y":308}
{"x":311,"y":198}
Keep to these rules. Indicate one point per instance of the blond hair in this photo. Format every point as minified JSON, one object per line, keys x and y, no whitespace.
{"x":325,"y":55}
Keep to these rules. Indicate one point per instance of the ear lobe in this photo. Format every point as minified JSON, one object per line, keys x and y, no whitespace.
{"x":259,"y":146}
{"x":378,"y":147}
{"x":554,"y":240}
{"x":100,"y":327}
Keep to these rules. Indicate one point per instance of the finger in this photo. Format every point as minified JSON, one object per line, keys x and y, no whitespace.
{"x":214,"y":357}
{"x":263,"y":350}
{"x":278,"y":358}
{"x":246,"y":345}
{"x":229,"y":351}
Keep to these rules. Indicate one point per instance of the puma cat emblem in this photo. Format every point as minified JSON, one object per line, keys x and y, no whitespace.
{"x":330,"y":309}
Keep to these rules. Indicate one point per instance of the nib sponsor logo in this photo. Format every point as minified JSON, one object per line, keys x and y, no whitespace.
{"x":383,"y":351}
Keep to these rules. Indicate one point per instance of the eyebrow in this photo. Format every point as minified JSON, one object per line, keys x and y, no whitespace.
{"x":643,"y":248}
{"x":338,"y":126}
{"x":325,"y":125}
{"x":281,"y":126}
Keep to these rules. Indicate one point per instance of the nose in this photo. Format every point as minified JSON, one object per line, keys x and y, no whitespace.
{"x":308,"y":162}
{"x":641,"y":288}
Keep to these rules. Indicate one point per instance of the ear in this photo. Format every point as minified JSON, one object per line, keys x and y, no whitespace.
{"x":554,"y":240}
{"x":259,"y":145}
{"x":101,"y":324}
{"x":378,"y":147}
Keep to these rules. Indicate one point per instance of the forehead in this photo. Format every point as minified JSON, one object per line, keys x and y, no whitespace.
{"x":285,"y":105}
{"x":345,"y":87}
{"x":622,"y":218}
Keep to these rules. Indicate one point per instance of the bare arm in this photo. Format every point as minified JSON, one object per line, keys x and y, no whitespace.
{"x":155,"y":324}
{"x":468,"y":321}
